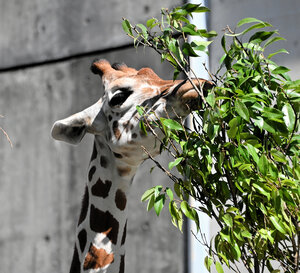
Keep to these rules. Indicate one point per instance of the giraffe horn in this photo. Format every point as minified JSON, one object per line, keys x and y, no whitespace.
{"x":101,"y":67}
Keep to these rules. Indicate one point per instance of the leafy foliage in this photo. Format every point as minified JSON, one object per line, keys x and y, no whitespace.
{"x":241,"y":161}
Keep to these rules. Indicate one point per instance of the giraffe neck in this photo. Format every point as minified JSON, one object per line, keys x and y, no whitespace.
{"x":101,"y":231}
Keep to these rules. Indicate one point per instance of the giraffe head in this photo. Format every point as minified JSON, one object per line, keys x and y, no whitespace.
{"x":115,"y":117}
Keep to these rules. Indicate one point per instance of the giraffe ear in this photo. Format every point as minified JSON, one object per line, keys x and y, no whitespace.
{"x":186,"y":93}
{"x":74,"y":128}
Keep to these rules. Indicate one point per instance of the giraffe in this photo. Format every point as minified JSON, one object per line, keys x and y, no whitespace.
{"x":117,"y":153}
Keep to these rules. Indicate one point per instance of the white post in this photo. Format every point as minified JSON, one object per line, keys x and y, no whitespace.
{"x":196,"y":250}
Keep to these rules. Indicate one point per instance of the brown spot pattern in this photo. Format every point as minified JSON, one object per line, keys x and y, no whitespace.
{"x":103,"y":161}
{"x":116,"y":130}
{"x":84,"y":206}
{"x":94,"y":154}
{"x":122,"y":264}
{"x":134,"y":135}
{"x":120,"y":199}
{"x":104,"y":222}
{"x":101,"y":189}
{"x":124,"y":234}
{"x":97,"y":258}
{"x":122,"y":171}
{"x":82,"y":238}
{"x":75,"y":265}
{"x":91,"y":173}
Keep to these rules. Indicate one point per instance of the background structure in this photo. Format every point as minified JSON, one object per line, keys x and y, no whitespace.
{"x":46,"y":49}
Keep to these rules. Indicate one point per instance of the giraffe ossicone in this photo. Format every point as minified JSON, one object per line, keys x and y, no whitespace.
{"x":117,"y":153}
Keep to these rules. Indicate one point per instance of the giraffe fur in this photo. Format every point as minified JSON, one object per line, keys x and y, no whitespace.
{"x":114,"y":121}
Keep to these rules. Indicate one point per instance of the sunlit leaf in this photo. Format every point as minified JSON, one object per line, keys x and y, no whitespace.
{"x":208,"y":262}
{"x":277,"y":52}
{"x":247,"y":21}
{"x":172,"y":124}
{"x":174,"y":163}
{"x":219,"y":267}
{"x":127,"y":27}
{"x":159,"y":204}
{"x":242,"y":109}
{"x":277,"y":224}
{"x":263,"y":164}
{"x":289,"y":116}
{"x":280,"y":70}
{"x":147,"y":194}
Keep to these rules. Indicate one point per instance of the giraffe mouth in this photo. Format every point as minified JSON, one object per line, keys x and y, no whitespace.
{"x":120,"y":97}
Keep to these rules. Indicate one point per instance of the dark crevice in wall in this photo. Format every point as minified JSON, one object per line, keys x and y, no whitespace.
{"x":63,"y":59}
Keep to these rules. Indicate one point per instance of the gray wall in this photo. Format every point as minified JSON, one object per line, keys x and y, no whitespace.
{"x":283,"y":15}
{"x":46,"y":48}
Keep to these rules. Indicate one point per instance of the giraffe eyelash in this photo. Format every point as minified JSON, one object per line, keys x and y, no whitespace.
{"x":120,"y":97}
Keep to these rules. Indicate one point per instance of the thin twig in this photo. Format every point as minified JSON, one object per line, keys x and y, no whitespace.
{"x":7,"y":137}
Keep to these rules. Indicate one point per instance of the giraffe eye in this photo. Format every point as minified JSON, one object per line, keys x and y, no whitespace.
{"x":120,"y":97}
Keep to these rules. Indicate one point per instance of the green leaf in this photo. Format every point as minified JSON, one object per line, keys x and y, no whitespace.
{"x":200,"y":45}
{"x":248,"y":20}
{"x":143,"y":127}
{"x":159,"y":203}
{"x":127,"y":27}
{"x":190,"y":8}
{"x":253,"y":153}
{"x":187,"y":210}
{"x":277,"y":224}
{"x":190,"y":29}
{"x":261,"y":36}
{"x":242,"y":109}
{"x":272,"y":114}
{"x":265,"y":124}
{"x":147,"y":194}
{"x":144,"y":30}
{"x":263,"y":165}
{"x":175,"y":162}
{"x":278,"y":156}
{"x":246,"y":234}
{"x":172,"y":124}
{"x":280,"y":70}
{"x":227,"y":220}
{"x":256,"y":26}
{"x":150,"y":22}
{"x":188,"y":50}
{"x":233,"y":127}
{"x":140,"y":110}
{"x":277,"y":52}
{"x":272,"y":40}
{"x":219,"y":267}
{"x":151,"y":202}
{"x":289,"y":116}
{"x":170,"y":194}
{"x":208,"y":262}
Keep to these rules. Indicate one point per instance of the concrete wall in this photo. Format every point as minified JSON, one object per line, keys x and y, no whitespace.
{"x":41,"y":180}
{"x":283,"y":15}
{"x":39,"y":30}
